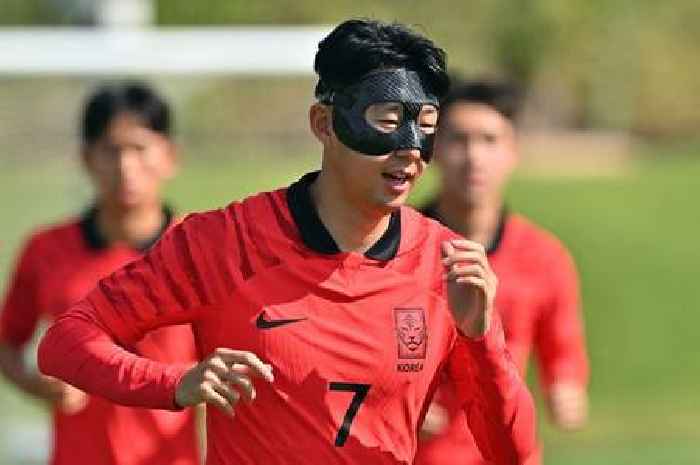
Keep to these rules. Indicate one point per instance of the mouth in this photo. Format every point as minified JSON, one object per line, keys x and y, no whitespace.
{"x":399,"y":181}
{"x":398,"y":176}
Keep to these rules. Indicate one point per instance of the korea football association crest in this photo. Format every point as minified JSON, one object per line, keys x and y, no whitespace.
{"x":411,"y":337}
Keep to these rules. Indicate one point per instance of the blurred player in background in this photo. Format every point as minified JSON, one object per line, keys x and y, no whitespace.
{"x":538,"y":294}
{"x":327,"y":306}
{"x":128,"y":153}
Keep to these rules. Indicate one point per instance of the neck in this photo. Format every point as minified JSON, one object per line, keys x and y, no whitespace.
{"x":132,"y":226}
{"x":353,"y":228}
{"x":475,"y":221}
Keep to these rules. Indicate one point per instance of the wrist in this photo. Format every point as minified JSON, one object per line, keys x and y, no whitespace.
{"x":476,"y":328}
{"x":178,"y":396}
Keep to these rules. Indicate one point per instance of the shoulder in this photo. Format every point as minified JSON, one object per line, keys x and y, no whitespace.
{"x":46,"y":245}
{"x":61,"y":235}
{"x":257,"y":217}
{"x":63,"y":230}
{"x":264,"y":213}
{"x":258,"y":205}
{"x":531,"y":239}
{"x":419,"y":231}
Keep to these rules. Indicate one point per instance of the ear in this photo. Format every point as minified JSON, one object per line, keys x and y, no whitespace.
{"x":172,"y":166}
{"x":86,"y":158}
{"x":516,"y":145}
{"x":321,"y":122}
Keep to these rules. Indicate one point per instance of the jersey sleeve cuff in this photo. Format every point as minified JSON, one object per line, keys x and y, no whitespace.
{"x":492,"y":341}
{"x":173,"y":375}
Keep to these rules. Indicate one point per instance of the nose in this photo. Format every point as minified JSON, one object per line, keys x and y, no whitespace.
{"x":127,"y":162}
{"x":475,"y":153}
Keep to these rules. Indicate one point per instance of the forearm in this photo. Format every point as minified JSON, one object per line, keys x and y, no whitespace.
{"x":80,"y":353}
{"x":14,"y":369}
{"x":499,"y":407}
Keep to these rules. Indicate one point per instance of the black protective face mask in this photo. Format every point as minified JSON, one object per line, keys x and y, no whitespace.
{"x":398,"y":85}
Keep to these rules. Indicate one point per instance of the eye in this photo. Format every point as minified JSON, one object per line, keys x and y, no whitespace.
{"x":427,"y":118}
{"x":489,"y":137}
{"x":385,"y":116}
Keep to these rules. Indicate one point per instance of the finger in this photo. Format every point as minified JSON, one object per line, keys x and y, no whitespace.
{"x":244,"y":385}
{"x":458,"y":271}
{"x":257,"y":367}
{"x":217,"y":365}
{"x":447,"y":249}
{"x":461,"y":256}
{"x":211,"y":397}
{"x":231,"y":395}
{"x":472,"y":281}
{"x":214,"y":380}
{"x":464,"y":244}
{"x":220,"y":373}
{"x":245,"y":370}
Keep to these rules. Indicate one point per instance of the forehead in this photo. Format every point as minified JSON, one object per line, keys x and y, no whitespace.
{"x":127,"y":126}
{"x":469,"y":116}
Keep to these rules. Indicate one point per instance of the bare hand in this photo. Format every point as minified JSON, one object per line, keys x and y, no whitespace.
{"x":435,"y":422}
{"x":568,"y":405}
{"x":222,"y":379}
{"x":66,"y":398}
{"x":72,"y":399}
{"x":471,"y":285}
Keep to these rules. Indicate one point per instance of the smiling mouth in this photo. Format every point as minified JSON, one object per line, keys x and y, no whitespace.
{"x":397,"y":177}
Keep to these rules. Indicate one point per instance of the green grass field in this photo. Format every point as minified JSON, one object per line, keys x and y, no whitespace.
{"x":633,"y":236}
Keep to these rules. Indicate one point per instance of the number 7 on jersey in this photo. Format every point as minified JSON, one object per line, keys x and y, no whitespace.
{"x":360,"y":391}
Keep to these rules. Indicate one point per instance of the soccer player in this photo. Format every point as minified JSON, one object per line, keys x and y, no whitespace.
{"x":323,"y":312}
{"x":128,"y":154}
{"x":538,"y":297}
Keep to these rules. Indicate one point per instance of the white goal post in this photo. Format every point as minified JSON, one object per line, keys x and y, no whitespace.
{"x":275,"y":50}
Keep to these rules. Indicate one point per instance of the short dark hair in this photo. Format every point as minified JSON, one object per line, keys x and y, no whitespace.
{"x":503,"y":96}
{"x":359,"y":46}
{"x":136,"y":98}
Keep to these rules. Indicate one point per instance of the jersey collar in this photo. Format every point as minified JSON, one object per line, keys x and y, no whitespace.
{"x":430,"y":210}
{"x":316,"y":236}
{"x":97,"y":241}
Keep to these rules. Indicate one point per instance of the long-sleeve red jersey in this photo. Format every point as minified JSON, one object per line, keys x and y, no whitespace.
{"x":57,"y":268}
{"x":356,"y":341}
{"x":538,"y":301}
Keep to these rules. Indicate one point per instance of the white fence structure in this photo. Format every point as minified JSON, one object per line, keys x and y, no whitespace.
{"x":280,"y":50}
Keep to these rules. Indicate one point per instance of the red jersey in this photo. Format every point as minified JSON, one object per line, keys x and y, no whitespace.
{"x":57,"y":268}
{"x":538,"y":301}
{"x":356,"y":341}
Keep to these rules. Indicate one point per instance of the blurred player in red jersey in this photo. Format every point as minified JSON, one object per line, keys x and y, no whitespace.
{"x":538,"y":296}
{"x":327,"y":306}
{"x":128,"y":154}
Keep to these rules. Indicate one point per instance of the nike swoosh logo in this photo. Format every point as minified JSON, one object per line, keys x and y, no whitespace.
{"x":262,"y":323}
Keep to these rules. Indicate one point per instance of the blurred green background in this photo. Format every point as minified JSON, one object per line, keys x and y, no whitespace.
{"x":619,"y":75}
{"x":629,"y":64}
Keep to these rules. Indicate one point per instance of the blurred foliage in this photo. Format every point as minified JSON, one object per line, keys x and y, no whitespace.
{"x":617,"y":64}
{"x":46,"y":12}
{"x":18,"y":12}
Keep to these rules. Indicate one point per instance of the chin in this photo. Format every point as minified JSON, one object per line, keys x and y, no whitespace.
{"x":391,"y":204}
{"x":128,"y":202}
{"x":471,"y":197}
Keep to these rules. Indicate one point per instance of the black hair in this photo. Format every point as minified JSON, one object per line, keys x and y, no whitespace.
{"x":359,"y":46}
{"x":135,"y":98}
{"x":503,"y":96}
